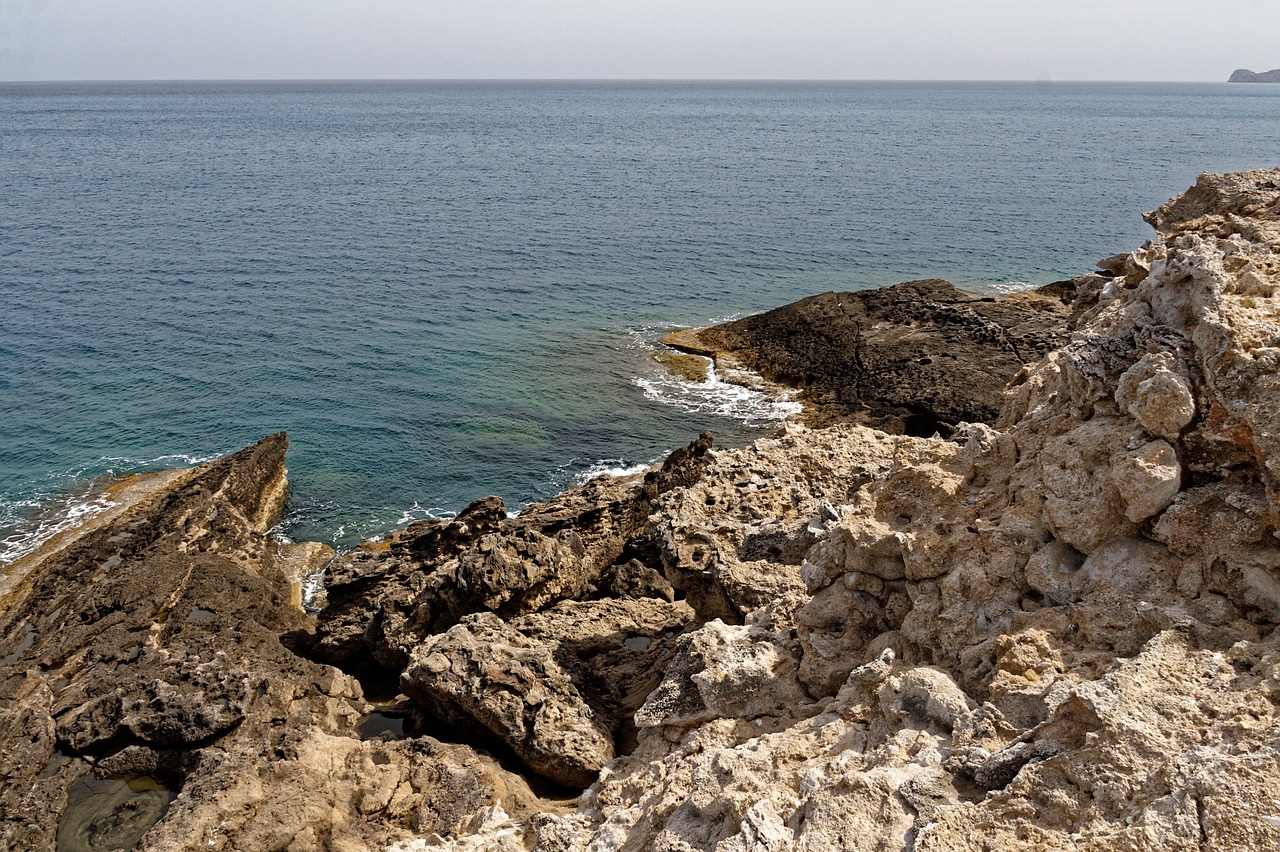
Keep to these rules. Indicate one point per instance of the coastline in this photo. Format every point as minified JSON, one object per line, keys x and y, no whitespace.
{"x":118,"y":498}
{"x":917,"y":357}
{"x":1058,"y":626}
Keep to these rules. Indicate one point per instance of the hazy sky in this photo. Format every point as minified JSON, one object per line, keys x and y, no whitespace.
{"x":821,"y":39}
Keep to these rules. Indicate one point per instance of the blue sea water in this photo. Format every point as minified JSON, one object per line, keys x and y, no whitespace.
{"x":447,"y":289}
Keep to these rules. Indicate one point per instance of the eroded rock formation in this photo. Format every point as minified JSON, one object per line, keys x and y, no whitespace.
{"x":1052,"y":629}
{"x":144,"y":677}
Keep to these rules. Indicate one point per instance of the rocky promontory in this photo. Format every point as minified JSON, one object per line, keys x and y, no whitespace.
{"x":1049,"y":622}
{"x":916,"y":358}
{"x":1244,"y":75}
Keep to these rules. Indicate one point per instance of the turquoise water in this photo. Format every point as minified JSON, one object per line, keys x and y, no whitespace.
{"x":446,"y":290}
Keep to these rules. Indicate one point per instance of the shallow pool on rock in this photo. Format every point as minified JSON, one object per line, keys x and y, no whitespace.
{"x":377,"y":723}
{"x":111,"y":814}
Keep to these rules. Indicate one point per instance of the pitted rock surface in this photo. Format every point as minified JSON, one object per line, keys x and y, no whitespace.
{"x":1055,"y":629}
{"x":483,"y":673}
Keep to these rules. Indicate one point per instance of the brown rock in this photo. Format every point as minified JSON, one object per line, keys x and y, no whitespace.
{"x":914,"y":358}
{"x":144,"y":679}
{"x":383,"y":599}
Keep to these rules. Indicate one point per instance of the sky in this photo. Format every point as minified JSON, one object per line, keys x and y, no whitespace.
{"x":1157,"y":40}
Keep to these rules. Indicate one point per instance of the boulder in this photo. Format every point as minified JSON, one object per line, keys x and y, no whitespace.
{"x":485,"y":675}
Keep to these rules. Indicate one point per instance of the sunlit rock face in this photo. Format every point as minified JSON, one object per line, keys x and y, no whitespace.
{"x":1052,"y":629}
{"x":1056,"y":630}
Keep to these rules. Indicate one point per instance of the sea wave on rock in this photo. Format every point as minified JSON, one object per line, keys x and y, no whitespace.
{"x":917,"y":358}
{"x":1053,"y":629}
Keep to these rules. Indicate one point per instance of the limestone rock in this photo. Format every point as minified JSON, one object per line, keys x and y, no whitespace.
{"x":722,"y":671}
{"x":385,"y":597}
{"x":1053,"y":630}
{"x":145,"y":651}
{"x":1147,"y":479}
{"x":1159,"y":398}
{"x":484,"y":673}
{"x":625,"y":644}
{"x":1057,"y":633}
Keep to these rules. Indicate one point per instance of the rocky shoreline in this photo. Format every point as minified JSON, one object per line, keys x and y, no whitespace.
{"x":1038,"y":613}
{"x":917,"y":358}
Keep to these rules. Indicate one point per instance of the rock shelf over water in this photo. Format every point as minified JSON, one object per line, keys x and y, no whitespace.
{"x":1053,"y":628}
{"x":916,"y":358}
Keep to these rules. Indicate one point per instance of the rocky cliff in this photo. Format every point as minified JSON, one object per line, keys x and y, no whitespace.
{"x":1054,"y":629}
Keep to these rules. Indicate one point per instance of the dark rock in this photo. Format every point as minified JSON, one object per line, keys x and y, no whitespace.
{"x":634,"y":579}
{"x":370,"y":592}
{"x":1244,"y":75}
{"x":157,"y":630}
{"x":1001,"y":768}
{"x":915,"y":358}
{"x":384,"y":599}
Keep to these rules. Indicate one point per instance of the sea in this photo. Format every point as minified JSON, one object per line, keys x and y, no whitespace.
{"x":444,"y":290}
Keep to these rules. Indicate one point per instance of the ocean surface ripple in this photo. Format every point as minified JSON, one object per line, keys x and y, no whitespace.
{"x":436,"y":287}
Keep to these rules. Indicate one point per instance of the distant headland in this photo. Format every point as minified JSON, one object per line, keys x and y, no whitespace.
{"x":1244,"y":75}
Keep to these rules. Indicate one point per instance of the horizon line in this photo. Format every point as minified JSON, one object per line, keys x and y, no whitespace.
{"x":1039,"y":81}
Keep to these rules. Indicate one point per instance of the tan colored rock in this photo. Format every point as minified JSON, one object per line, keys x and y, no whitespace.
{"x":1054,"y":632}
{"x":483,"y":674}
{"x":149,"y":674}
{"x":723,"y":671}
{"x":626,"y":645}
{"x":1147,"y":479}
{"x":1057,"y":635}
{"x":1158,"y":397}
{"x":1083,"y":505}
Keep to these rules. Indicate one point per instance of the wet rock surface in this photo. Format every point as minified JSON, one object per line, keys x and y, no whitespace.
{"x":915,"y":358}
{"x":1055,"y":628}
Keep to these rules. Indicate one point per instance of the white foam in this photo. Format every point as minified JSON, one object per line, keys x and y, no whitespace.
{"x":312,"y":585}
{"x":574,"y":472}
{"x":1006,"y":287}
{"x":731,"y":400}
{"x":609,"y":467}
{"x":60,"y":515}
{"x":60,"y":500}
{"x":419,"y":513}
{"x":185,"y":458}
